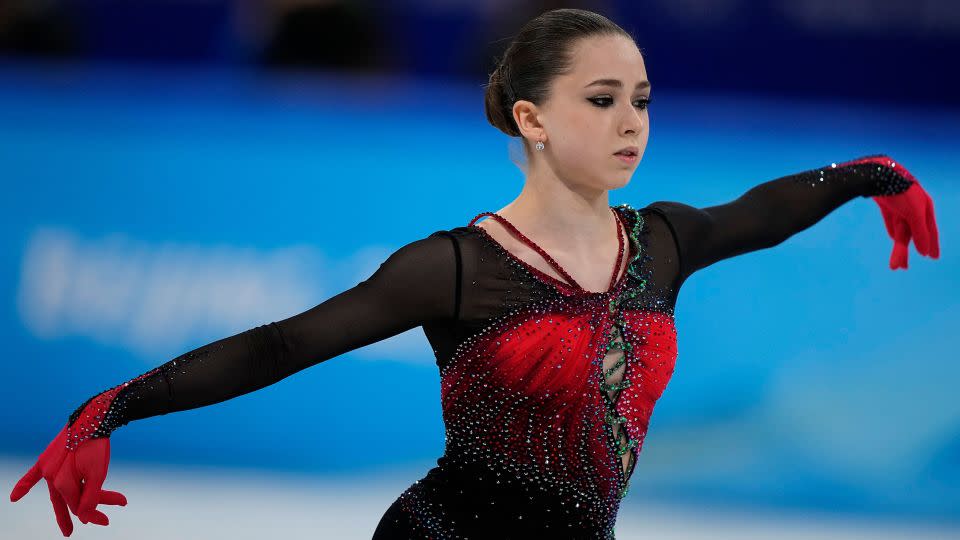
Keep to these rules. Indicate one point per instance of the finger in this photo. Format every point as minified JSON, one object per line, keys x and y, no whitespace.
{"x":898,"y":258}
{"x":26,"y":482}
{"x":917,"y":221}
{"x":67,"y":483}
{"x":92,"y":460}
{"x":60,"y":510}
{"x":901,"y":243}
{"x":932,"y":228}
{"x":112,"y":498}
{"x":106,"y":497}
{"x":94,"y":516}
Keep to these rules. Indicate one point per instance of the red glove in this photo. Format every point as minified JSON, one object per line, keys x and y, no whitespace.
{"x":75,"y":463}
{"x":74,"y":479}
{"x":906,"y":214}
{"x":910,"y":215}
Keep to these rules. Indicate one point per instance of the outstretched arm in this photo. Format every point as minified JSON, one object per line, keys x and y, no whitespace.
{"x":412,"y":286}
{"x":771,"y":212}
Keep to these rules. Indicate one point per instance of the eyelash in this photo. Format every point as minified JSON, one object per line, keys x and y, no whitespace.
{"x":644,"y":102}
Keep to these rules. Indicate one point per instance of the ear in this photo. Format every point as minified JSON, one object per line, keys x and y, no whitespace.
{"x":527,"y":116}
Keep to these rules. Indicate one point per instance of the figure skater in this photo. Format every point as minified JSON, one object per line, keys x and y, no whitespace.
{"x":552,"y":322}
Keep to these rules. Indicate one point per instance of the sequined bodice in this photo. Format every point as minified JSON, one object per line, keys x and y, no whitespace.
{"x":554,"y":388}
{"x":616,"y":350}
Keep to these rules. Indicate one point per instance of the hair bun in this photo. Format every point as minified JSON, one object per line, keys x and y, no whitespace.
{"x":539,"y":53}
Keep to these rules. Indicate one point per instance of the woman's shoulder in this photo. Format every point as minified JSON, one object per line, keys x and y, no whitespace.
{"x":657,"y":215}
{"x":462,"y":231}
{"x":441,"y":248}
{"x":459,"y":236}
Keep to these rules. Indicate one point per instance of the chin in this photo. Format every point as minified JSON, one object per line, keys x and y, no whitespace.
{"x":617,"y":182}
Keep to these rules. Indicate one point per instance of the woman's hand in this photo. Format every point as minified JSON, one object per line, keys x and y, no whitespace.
{"x":906,"y":208}
{"x":909,"y":215}
{"x":74,"y":480}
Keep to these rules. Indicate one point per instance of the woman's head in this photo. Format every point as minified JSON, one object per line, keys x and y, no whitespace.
{"x":542,"y":91}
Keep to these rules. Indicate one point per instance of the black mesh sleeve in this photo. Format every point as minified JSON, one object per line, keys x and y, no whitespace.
{"x":770,"y":212}
{"x":414,"y":285}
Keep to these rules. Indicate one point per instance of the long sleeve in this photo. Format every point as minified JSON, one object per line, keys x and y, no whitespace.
{"x":415,"y":284}
{"x":771,"y":212}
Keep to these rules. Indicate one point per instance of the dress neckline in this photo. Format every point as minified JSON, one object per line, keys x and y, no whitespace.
{"x":571,"y":283}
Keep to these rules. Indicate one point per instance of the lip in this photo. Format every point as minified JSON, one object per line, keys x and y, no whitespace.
{"x":632,"y":149}
{"x":627,"y":159}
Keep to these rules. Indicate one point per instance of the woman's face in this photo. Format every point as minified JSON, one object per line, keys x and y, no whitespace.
{"x":586,"y":122}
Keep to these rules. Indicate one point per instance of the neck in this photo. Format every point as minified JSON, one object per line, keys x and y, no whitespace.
{"x":561,"y":216}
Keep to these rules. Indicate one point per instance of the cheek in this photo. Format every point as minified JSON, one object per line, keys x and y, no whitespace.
{"x":581,"y":134}
{"x":569,"y":137}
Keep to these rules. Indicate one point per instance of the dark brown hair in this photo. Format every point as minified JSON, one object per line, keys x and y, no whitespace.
{"x":541,"y":51}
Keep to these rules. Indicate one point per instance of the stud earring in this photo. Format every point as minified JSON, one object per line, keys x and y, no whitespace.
{"x":539,"y":145}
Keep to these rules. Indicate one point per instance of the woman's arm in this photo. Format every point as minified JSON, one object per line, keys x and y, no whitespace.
{"x":413,"y":285}
{"x":771,"y":212}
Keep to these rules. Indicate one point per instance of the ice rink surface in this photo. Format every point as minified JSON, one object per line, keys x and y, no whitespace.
{"x":170,"y":502}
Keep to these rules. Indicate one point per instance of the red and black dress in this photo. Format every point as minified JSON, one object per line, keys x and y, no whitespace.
{"x":547,"y":388}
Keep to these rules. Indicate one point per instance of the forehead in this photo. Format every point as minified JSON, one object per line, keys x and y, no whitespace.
{"x":597,"y":57}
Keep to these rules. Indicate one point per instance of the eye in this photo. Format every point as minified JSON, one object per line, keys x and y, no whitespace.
{"x":604,"y":102}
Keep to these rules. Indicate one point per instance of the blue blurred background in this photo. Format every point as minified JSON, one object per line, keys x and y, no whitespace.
{"x":178,"y":171}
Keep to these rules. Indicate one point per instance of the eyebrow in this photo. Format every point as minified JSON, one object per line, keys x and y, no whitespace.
{"x":616,"y":83}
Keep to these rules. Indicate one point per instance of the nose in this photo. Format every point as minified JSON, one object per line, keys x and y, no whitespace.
{"x":632,"y":121}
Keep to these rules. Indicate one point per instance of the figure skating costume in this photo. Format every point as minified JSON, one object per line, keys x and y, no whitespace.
{"x":547,"y":388}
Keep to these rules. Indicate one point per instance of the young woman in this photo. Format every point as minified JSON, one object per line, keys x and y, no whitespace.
{"x":552,"y":322}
